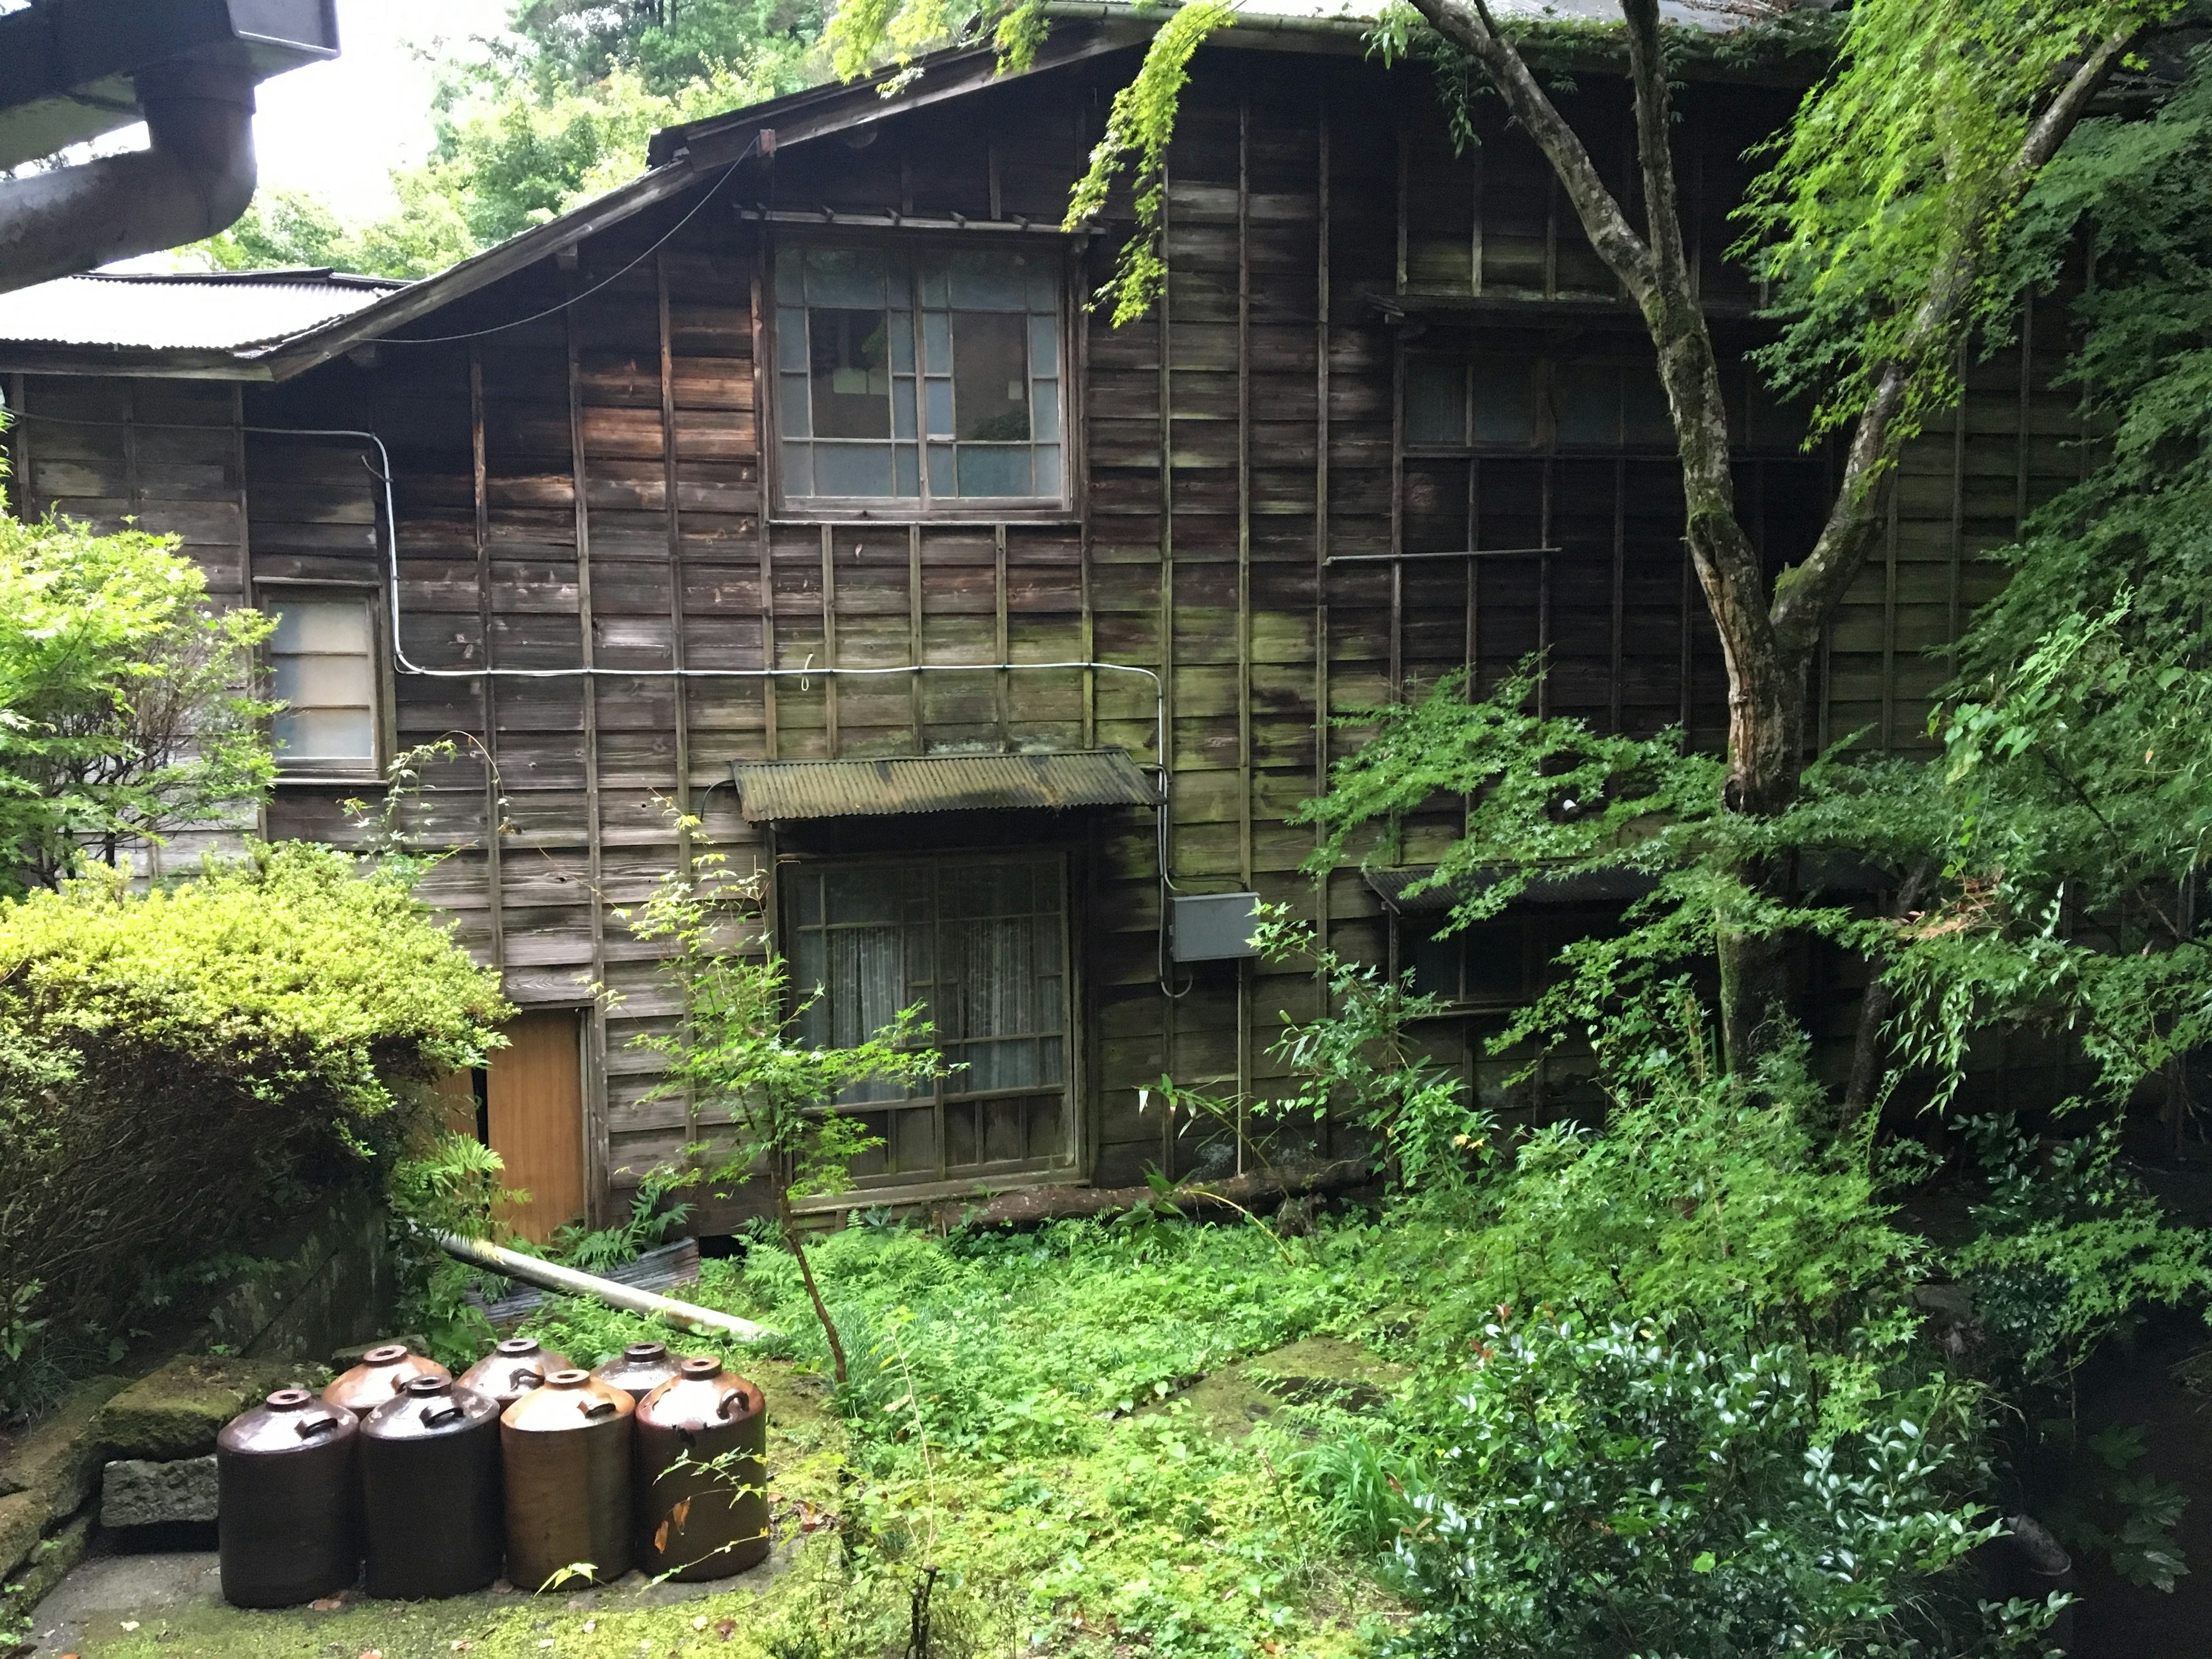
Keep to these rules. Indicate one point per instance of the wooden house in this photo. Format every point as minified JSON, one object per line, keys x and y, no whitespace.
{"x":792,"y":487}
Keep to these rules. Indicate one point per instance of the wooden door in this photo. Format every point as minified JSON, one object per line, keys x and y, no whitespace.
{"x":534,"y":1115}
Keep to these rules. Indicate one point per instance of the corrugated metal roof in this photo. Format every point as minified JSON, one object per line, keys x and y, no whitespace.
{"x":938,"y":783}
{"x":225,"y":311}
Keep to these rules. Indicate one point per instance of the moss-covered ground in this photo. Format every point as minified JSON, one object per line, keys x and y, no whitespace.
{"x":1084,"y":1442}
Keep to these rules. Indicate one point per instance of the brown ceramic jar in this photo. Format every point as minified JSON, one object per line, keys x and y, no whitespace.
{"x":638,"y":1370}
{"x":287,"y":1490}
{"x":512,"y":1369}
{"x":565,"y":1451}
{"x":383,"y":1371}
{"x":429,"y":1479}
{"x":701,"y":1480}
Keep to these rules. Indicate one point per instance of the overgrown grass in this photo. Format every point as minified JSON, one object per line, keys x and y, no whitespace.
{"x":1011,"y":1421}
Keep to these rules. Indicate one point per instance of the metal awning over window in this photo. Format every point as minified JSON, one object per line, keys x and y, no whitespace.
{"x":786,"y":790}
{"x":1820,"y":874}
{"x":1584,"y":887}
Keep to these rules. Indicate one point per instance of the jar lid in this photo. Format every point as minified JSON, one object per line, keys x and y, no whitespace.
{"x":642,"y":1351}
{"x":384,"y":1353}
{"x":287,"y":1400}
{"x":568,"y":1379}
{"x":518,"y":1345}
{"x":423,"y":1386}
{"x":701,"y":1366}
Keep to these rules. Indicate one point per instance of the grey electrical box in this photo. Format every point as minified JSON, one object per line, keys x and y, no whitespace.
{"x":1213,"y":926}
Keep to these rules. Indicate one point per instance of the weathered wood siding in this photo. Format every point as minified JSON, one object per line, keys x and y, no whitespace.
{"x":584,"y":490}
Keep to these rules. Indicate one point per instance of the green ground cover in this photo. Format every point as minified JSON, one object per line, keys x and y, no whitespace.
{"x":1022,"y":1418}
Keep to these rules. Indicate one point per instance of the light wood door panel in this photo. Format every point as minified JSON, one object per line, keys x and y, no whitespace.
{"x":534,"y":1100}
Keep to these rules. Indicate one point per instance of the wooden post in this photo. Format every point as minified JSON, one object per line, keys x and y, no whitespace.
{"x":487,"y":689}
{"x":670,"y":485}
{"x":597,"y":1151}
{"x":829,"y":710}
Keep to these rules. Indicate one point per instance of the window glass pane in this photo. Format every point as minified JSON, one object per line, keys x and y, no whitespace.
{"x":791,"y":339}
{"x":790,"y":281}
{"x":1436,"y":402}
{"x":1644,"y":418}
{"x":321,"y":663}
{"x":1044,"y":345}
{"x":903,"y":342}
{"x":990,"y":282}
{"x":791,"y":407}
{"x":937,"y":343}
{"x":1048,"y":471}
{"x":850,"y":370}
{"x":846,"y":276}
{"x":851,"y":469}
{"x":325,"y":734}
{"x":1494,"y":962}
{"x":1589,"y":404}
{"x":321,"y":625}
{"x":1044,"y":408}
{"x":990,"y":377}
{"x":1436,"y":966}
{"x":799,"y":469}
{"x":995,"y":470}
{"x":1044,"y":284}
{"x":903,"y":407}
{"x":320,"y":681}
{"x":1505,"y":401}
{"x":934,"y":288}
{"x":940,"y":470}
{"x":939,"y":396}
{"x":907,"y":461}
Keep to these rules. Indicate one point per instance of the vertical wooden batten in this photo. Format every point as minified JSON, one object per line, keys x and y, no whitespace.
{"x":597,"y":1150}
{"x":670,"y":487}
{"x":487,"y":687}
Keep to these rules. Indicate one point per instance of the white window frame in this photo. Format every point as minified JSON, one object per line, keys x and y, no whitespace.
{"x":271,"y":595}
{"x":791,"y":506}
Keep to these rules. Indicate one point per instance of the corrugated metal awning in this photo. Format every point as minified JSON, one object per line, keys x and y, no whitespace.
{"x":1584,"y":887}
{"x":1819,"y":874}
{"x":938,"y":783}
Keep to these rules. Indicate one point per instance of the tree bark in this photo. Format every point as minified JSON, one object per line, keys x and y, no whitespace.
{"x":1875,"y":1004}
{"x":1768,"y":634}
{"x":789,"y":1223}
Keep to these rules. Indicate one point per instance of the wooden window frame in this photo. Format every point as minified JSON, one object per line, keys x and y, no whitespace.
{"x":382,"y":718}
{"x":925,"y":510}
{"x":1076,"y":1144}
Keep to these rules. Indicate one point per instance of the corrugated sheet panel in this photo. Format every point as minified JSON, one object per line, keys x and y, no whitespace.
{"x":1584,"y":887}
{"x":1820,"y":875}
{"x":219,"y":312}
{"x":938,"y":783}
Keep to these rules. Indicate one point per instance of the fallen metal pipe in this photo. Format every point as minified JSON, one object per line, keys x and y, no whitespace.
{"x":549,"y":1275}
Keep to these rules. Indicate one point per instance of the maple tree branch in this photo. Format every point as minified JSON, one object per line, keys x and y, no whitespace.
{"x":1802,"y":607}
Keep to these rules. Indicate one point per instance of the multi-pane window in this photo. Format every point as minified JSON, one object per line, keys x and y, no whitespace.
{"x":980,"y":947}
{"x":322,"y":664}
{"x":921,"y":376}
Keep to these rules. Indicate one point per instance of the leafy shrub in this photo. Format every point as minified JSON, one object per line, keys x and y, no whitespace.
{"x":181,"y":1068}
{"x":125,"y":717}
{"x":1621,"y":1492}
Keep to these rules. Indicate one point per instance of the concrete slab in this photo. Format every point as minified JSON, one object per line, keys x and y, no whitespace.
{"x":102,"y":1593}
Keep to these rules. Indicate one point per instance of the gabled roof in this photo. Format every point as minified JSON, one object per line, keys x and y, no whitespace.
{"x":202,"y":337}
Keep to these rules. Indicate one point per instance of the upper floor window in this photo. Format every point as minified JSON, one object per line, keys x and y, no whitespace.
{"x":922,"y":376}
{"x":323,"y":668}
